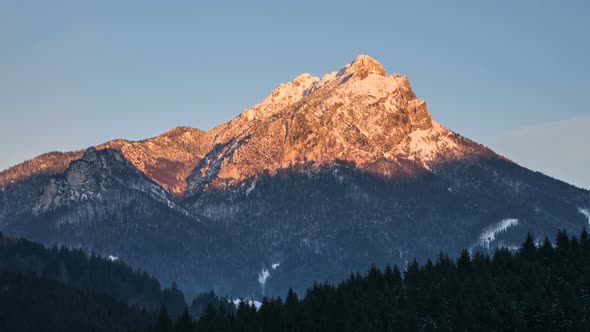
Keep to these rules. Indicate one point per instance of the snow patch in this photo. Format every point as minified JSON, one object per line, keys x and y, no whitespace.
{"x":256,"y":304}
{"x":376,"y":86}
{"x":275,"y":265}
{"x":489,"y":234}
{"x":113,"y":258}
{"x":585,"y":212}
{"x":262,"y":276}
{"x":252,"y":187}
{"x":426,"y":144}
{"x":285,"y":94}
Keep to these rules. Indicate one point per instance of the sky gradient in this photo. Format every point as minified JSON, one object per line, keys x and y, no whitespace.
{"x":513,"y":75}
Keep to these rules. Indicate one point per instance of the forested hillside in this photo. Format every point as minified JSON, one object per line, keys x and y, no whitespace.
{"x":541,"y":287}
{"x":89,"y":272}
{"x":28,"y":303}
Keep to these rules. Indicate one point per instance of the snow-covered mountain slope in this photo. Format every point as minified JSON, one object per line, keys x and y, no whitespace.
{"x":358,"y":115}
{"x":325,"y":176}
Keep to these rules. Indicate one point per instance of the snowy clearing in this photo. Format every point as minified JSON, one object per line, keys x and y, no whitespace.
{"x":262,"y":276}
{"x":237,"y":302}
{"x":585,"y":212}
{"x":489,"y":234}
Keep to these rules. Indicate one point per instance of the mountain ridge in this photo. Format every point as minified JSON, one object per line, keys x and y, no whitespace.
{"x":172,"y":159}
{"x":323,"y":177}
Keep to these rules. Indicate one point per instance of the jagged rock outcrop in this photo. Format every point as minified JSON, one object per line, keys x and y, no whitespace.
{"x":167,"y":159}
{"x":322,"y":178}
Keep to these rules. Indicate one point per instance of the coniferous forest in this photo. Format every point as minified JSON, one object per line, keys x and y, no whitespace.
{"x":542,"y":286}
{"x":95,"y":274}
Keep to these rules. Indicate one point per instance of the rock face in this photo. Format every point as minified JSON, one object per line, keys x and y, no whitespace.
{"x":322,"y":178}
{"x":167,"y":159}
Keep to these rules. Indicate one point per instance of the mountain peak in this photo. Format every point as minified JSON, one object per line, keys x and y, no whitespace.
{"x":357,"y":114}
{"x":363,"y":66}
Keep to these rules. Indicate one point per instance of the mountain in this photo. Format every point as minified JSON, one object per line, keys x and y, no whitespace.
{"x":323,"y":177}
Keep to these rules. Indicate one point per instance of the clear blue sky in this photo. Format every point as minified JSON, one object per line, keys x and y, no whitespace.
{"x":514,"y":75}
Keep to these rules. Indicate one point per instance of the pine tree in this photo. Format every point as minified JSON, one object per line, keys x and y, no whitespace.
{"x":163,"y":324}
{"x":184,"y":323}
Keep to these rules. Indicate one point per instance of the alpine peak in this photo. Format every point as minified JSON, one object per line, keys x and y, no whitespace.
{"x":343,"y":80}
{"x":363,"y":66}
{"x":357,"y":115}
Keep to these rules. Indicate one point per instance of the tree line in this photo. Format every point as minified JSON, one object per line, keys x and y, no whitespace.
{"x":542,"y":286}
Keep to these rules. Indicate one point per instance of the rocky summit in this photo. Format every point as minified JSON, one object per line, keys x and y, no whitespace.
{"x":325,"y":176}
